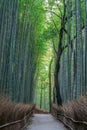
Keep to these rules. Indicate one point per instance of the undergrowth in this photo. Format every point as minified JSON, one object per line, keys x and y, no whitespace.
{"x":76,"y":110}
{"x":10,"y":112}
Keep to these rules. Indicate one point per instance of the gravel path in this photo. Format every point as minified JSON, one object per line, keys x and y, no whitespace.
{"x":45,"y":122}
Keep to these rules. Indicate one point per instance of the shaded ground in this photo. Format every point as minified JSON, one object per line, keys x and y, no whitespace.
{"x":45,"y":122}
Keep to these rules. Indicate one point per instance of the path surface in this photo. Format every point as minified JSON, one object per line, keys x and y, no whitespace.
{"x":45,"y":122}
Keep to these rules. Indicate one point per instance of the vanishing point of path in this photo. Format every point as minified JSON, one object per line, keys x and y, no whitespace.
{"x":45,"y":122}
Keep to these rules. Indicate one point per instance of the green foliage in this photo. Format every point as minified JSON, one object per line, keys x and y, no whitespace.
{"x":29,"y":38}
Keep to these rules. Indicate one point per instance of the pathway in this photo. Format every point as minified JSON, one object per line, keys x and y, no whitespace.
{"x":45,"y":122}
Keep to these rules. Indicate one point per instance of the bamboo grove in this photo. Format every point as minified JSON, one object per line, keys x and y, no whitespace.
{"x":29,"y":29}
{"x":68,"y":23}
{"x":19,"y":47}
{"x":73,"y":63}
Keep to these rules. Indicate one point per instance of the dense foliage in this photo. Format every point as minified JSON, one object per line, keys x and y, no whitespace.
{"x":43,"y":50}
{"x":20,"y":43}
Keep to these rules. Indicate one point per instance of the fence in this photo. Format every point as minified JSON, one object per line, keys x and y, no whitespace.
{"x":69,"y":122}
{"x":19,"y":124}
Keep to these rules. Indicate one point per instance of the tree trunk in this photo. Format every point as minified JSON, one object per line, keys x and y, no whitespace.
{"x":50,"y":85}
{"x":79,"y":47}
{"x":41,"y":97}
{"x":85,"y":45}
{"x":59,"y":53}
{"x":56,"y":79}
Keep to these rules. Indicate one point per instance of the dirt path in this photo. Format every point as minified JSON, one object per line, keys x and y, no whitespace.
{"x":45,"y":122}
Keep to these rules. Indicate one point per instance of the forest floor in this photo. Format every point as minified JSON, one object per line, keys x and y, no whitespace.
{"x":45,"y":122}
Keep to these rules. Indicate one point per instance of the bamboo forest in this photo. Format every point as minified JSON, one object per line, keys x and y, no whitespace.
{"x":43,"y":56}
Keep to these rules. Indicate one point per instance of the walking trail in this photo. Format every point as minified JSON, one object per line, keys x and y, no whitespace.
{"x":45,"y":122}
